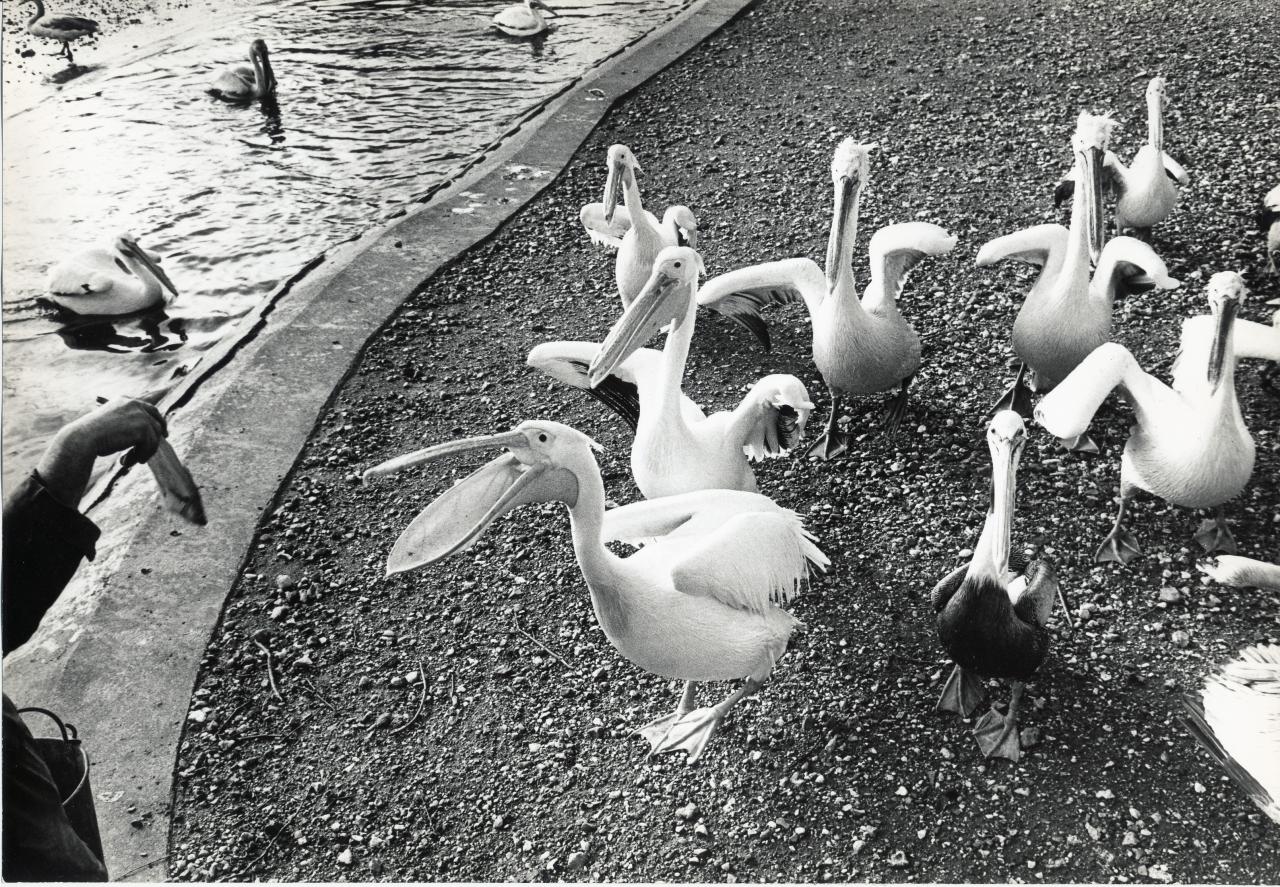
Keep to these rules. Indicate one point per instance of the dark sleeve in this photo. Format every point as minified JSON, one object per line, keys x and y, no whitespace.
{"x":44,"y":542}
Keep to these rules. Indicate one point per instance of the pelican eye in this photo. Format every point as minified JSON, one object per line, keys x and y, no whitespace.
{"x":677,"y":265}
{"x":542,"y":438}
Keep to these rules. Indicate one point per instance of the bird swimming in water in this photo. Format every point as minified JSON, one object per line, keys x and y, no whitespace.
{"x":523,"y":19}
{"x":63,"y":28}
{"x":242,"y":83}
{"x":121,"y":279}
{"x":993,"y":613}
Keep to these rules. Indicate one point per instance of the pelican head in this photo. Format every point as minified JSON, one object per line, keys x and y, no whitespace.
{"x":264,"y":76}
{"x":1006,"y":436}
{"x":623,"y":167}
{"x":850,"y":170}
{"x":127,"y":249}
{"x":1090,"y":142}
{"x":539,"y":463}
{"x":685,"y":223}
{"x":1156,"y":92}
{"x":667,"y":298}
{"x":538,"y":4}
{"x":1226,"y":292}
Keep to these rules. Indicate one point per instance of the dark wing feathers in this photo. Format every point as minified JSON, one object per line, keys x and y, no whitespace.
{"x":943,"y":591}
{"x":621,"y":397}
{"x":787,"y":425}
{"x":743,"y":308}
{"x":1035,"y":604}
{"x":70,"y":23}
{"x":1065,"y":191}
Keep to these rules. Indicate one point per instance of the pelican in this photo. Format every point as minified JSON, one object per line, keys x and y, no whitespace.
{"x":634,"y":231}
{"x":992,"y":613}
{"x":679,"y":226}
{"x":697,"y":603}
{"x":63,"y":28}
{"x":860,"y":347}
{"x":121,"y":279}
{"x":1189,"y":444}
{"x":1067,"y":314}
{"x":1237,"y":720}
{"x":523,"y":19}
{"x":1269,"y":222}
{"x":677,"y":448}
{"x":1241,"y":572}
{"x":241,"y":83}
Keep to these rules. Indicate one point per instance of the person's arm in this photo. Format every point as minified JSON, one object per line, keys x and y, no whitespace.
{"x":45,"y":537}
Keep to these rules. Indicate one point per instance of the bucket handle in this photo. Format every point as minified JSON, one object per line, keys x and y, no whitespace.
{"x":68,"y":735}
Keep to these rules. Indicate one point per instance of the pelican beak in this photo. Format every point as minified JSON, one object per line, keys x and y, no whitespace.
{"x":544,"y":7}
{"x":1225,"y":311}
{"x":613,"y":189}
{"x":1005,"y":453}
{"x":1091,"y":163}
{"x":664,"y":300}
{"x":847,"y":188}
{"x":455,"y":520}
{"x":151,"y":265}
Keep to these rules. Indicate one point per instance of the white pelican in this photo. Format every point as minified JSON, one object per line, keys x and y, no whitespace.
{"x":640,"y":237}
{"x":1237,"y":719}
{"x":241,"y":83}
{"x":677,"y":448}
{"x":697,"y":603}
{"x":119,"y":280}
{"x":679,"y":225}
{"x":1241,"y":572}
{"x":860,"y":347}
{"x":1269,"y":222}
{"x":1189,"y":444}
{"x":523,"y":19}
{"x":63,"y":28}
{"x":992,"y":613}
{"x":1067,"y":314}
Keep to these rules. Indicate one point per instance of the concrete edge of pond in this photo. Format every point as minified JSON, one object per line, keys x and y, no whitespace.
{"x":119,"y":654}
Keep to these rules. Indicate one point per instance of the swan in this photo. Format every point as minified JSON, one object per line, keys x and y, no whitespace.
{"x":242,"y":83}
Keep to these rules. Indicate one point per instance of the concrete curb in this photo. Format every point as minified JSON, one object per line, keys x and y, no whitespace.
{"x":120,"y":652}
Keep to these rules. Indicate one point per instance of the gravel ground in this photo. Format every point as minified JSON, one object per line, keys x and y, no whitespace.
{"x":471,"y":722}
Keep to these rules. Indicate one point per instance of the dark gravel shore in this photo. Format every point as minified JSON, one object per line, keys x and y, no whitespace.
{"x":471,"y":722}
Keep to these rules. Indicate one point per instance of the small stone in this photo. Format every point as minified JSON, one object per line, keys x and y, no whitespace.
{"x":1106,"y":794}
{"x":383,"y":721}
{"x":1199,"y":789}
{"x":345,"y":857}
{"x":375,"y":842}
{"x":1180,"y":639}
{"x":701,"y":830}
{"x":304,"y":661}
{"x":576,"y":861}
{"x":689,"y":812}
{"x":901,"y":792}
{"x":1159,"y":873}
{"x":858,"y":844}
{"x":1029,"y":737}
{"x":1129,"y":840}
{"x":396,"y":682}
{"x":411,"y":678}
{"x":197,"y":716}
{"x":1170,"y":595}
{"x":284,"y":580}
{"x":277,"y":613}
{"x":898,"y":859}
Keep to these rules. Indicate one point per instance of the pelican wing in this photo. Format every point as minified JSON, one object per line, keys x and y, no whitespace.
{"x":1237,"y":719}
{"x":1252,"y":341}
{"x":1127,"y":265}
{"x":1030,"y":245}
{"x":771,"y":419}
{"x":946,"y":588}
{"x":1035,"y":602}
{"x":1067,"y":410}
{"x":607,"y":234}
{"x":740,"y":295}
{"x":1113,"y":179}
{"x":896,"y":249}
{"x":1235,"y":571}
{"x":1175,"y":171}
{"x":685,"y":514}
{"x":92,"y":271}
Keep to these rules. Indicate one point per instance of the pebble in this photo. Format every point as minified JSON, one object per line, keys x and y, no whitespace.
{"x":284,"y":580}
{"x":1170,"y":595}
{"x":689,"y":812}
{"x":1180,"y":639}
{"x":898,"y":859}
{"x":1029,"y":737}
{"x":345,"y":857}
{"x":576,"y":861}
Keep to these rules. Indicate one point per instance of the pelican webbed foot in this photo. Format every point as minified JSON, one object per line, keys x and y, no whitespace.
{"x":1215,"y":536}
{"x":693,"y":731}
{"x":1081,"y":443}
{"x":896,"y":408}
{"x":962,"y":693}
{"x":1016,"y":397}
{"x":656,"y":730}
{"x":833,"y":441}
{"x":1119,"y":547}
{"x":997,"y":734}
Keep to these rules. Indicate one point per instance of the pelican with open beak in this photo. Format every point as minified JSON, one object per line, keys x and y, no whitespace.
{"x":1189,"y":444}
{"x":992,"y":613}
{"x":523,"y":19}
{"x":1067,"y":313}
{"x":242,"y":83}
{"x":699,"y":602}
{"x":121,"y":279}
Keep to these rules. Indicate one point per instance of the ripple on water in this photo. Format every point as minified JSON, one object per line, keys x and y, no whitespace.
{"x":376,"y":101}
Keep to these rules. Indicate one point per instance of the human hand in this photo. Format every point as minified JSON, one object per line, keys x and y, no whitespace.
{"x":121,"y":424}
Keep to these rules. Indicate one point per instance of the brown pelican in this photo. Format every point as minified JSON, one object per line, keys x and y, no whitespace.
{"x":241,"y":83}
{"x":1067,"y":314}
{"x":992,"y":613}
{"x":1237,"y":719}
{"x":1189,"y":444}
{"x":63,"y":28}
{"x":677,"y":448}
{"x":523,"y":19}
{"x":120,"y":280}
{"x":860,"y":346}
{"x":699,"y":602}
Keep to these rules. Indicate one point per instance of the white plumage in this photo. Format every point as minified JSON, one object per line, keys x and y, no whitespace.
{"x":120,"y":279}
{"x":1145,"y":193}
{"x":1237,"y":719}
{"x":1235,"y":571}
{"x":696,"y":603}
{"x":523,"y":19}
{"x":679,"y":225}
{"x":241,"y":83}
